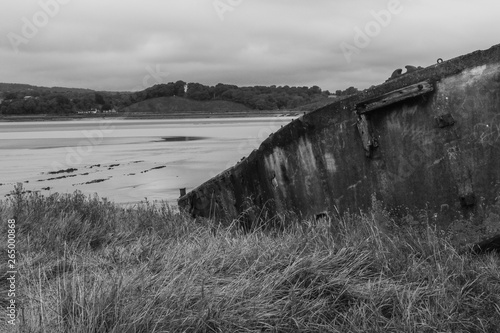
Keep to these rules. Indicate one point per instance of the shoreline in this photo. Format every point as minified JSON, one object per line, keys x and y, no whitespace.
{"x":132,"y":116}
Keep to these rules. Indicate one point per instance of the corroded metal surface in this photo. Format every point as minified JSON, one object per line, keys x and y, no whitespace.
{"x":435,"y":149}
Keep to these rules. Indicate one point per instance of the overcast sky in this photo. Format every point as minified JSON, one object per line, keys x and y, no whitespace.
{"x":131,"y":44}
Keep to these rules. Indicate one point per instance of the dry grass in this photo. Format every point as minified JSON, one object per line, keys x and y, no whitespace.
{"x":87,"y":265}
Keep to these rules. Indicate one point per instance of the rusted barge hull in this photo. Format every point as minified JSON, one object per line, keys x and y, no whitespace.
{"x":428,"y":141}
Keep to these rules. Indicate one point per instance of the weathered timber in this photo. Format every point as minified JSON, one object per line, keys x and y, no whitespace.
{"x":432,"y":137}
{"x":395,"y":96}
{"x":364,"y":129}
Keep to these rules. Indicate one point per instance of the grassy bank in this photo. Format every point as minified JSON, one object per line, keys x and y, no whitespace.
{"x":87,"y":265}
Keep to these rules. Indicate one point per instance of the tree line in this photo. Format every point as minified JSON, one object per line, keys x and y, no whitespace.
{"x":25,"y":99}
{"x":59,"y":101}
{"x":256,"y":97}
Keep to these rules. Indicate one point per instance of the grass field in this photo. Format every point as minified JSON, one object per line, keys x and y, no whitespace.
{"x":88,"y":265}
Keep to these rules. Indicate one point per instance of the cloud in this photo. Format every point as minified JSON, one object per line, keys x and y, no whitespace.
{"x":109,"y":45}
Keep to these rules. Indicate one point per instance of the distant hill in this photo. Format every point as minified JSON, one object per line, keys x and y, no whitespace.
{"x":20,"y":87}
{"x":174,"y":97}
{"x":315,"y":105}
{"x":181,"y":104}
{"x":14,"y":87}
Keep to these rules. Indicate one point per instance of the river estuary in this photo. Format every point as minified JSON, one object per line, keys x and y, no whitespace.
{"x":125,"y":161}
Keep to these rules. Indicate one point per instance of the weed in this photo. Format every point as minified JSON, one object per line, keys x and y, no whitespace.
{"x":88,"y":265}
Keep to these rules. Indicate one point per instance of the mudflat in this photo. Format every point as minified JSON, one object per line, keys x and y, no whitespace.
{"x":125,"y":160}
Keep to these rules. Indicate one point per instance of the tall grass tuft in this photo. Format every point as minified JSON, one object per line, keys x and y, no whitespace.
{"x":88,"y":265}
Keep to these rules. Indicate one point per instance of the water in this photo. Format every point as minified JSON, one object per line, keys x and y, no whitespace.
{"x":125,"y":160}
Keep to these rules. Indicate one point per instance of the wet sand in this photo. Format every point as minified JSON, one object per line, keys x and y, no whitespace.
{"x":125,"y":160}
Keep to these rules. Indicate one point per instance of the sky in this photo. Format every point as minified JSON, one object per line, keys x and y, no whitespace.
{"x":123,"y":45}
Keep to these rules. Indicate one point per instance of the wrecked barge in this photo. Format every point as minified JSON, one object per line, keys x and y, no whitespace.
{"x":424,"y":141}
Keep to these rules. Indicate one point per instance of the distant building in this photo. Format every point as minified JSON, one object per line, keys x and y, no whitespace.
{"x":94,"y":111}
